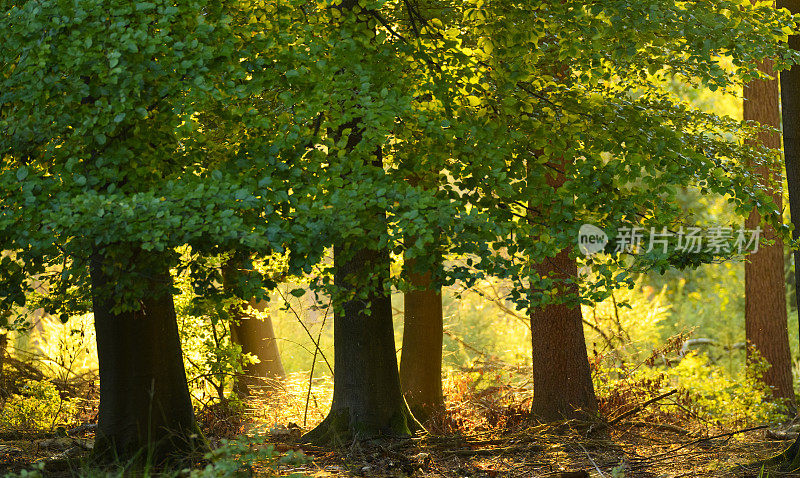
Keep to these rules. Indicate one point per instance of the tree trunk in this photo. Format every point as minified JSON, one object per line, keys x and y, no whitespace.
{"x":421,"y":359}
{"x":562,"y":381}
{"x":145,"y":411}
{"x":790,"y":111}
{"x":3,"y":344}
{"x":256,"y":337}
{"x":765,"y":290}
{"x":367,"y":401}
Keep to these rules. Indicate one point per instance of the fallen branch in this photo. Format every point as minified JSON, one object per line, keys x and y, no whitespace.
{"x":660,"y":426}
{"x":695,"y":442}
{"x":592,"y":461}
{"x":82,"y":428}
{"x":630,"y":412}
{"x":495,"y":451}
{"x":782,"y":434}
{"x":568,"y":474}
{"x":25,"y":436}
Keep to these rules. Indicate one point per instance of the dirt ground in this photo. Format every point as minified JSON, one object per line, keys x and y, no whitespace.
{"x":630,"y":449}
{"x":487,"y":433}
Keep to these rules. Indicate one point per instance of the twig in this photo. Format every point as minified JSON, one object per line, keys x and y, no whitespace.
{"x":308,"y":332}
{"x":633,"y":411}
{"x":616,"y":317}
{"x":660,"y":426}
{"x":592,"y":461}
{"x":641,"y":407}
{"x":493,"y":451}
{"x":695,"y":442}
{"x":468,"y":346}
{"x":313,"y":363}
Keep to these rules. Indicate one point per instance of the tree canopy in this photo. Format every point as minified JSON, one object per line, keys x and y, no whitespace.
{"x":210,"y":124}
{"x":143,"y":137}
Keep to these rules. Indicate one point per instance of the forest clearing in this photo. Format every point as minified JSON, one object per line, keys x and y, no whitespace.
{"x":400,"y":238}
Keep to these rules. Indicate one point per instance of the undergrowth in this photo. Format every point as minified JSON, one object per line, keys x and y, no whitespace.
{"x":38,"y":407}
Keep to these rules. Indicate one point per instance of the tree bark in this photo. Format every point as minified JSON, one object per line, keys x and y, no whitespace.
{"x":421,"y":359}
{"x":562,"y":381}
{"x":790,"y":115}
{"x":256,"y":336}
{"x":3,"y":345}
{"x":145,"y":411}
{"x":367,"y":400}
{"x":765,"y":289}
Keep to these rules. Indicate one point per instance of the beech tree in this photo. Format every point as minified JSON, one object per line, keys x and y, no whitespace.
{"x":766,"y":321}
{"x":367,"y":399}
{"x":104,"y":175}
{"x":604,"y":143}
{"x":790,"y":119}
{"x":423,"y":334}
{"x":106,"y":171}
{"x":561,"y":378}
{"x":255,"y":336}
{"x":3,"y":345}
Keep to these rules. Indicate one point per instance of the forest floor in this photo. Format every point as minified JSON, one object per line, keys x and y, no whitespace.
{"x":635,"y":449}
{"x":638,"y":450}
{"x":487,"y":433}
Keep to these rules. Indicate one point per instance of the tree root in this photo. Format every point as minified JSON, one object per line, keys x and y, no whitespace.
{"x":788,"y":461}
{"x":339,"y":429}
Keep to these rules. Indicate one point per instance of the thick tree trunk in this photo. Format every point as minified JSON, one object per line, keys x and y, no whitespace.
{"x":367,"y":401}
{"x":256,"y":337}
{"x":145,"y":411}
{"x":790,"y":110}
{"x":765,"y":290}
{"x":421,"y":359}
{"x":562,"y":381}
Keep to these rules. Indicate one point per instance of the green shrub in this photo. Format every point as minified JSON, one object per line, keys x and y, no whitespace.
{"x":633,"y":361}
{"x":36,"y":471}
{"x":727,"y":400}
{"x":211,"y":359}
{"x":39,"y":407}
{"x":245,"y":456}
